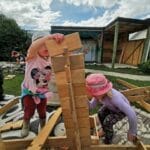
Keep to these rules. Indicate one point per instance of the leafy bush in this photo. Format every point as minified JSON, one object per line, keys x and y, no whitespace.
{"x":1,"y":85}
{"x":145,"y":67}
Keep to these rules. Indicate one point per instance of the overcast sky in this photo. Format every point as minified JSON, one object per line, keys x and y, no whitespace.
{"x":41,"y":14}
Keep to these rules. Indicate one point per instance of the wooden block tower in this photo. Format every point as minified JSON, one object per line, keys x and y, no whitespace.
{"x":70,"y":80}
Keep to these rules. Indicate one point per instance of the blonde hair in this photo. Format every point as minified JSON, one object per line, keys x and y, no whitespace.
{"x":109,"y":94}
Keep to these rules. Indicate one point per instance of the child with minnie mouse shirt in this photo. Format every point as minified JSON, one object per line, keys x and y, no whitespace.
{"x":35,"y":91}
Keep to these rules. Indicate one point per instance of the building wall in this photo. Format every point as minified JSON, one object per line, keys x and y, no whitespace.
{"x":90,"y":48}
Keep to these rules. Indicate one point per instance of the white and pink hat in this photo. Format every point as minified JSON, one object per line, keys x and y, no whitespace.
{"x":97,"y":84}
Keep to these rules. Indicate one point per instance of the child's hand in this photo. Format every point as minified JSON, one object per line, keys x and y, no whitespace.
{"x":132,"y":137}
{"x":101,"y":132}
{"x":58,"y":37}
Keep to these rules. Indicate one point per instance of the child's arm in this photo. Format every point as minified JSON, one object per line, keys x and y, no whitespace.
{"x":92,"y":103}
{"x":37,"y":44}
{"x":124,"y":107}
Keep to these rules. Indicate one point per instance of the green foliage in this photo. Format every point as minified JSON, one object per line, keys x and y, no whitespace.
{"x":145,"y":67}
{"x":1,"y":84}
{"x":12,"y":37}
{"x":13,"y":86}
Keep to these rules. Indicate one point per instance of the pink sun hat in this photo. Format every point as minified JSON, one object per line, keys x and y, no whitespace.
{"x":97,"y":84}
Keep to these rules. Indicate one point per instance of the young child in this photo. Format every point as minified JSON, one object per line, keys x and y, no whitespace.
{"x":35,"y":92}
{"x":115,"y":106}
{"x":20,"y":58}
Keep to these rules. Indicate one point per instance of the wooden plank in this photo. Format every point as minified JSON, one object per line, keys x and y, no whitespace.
{"x":140,"y":145}
{"x":79,"y":89}
{"x":63,"y":91}
{"x":78,"y":76}
{"x":138,"y":91}
{"x":11,"y":126}
{"x":81,"y":101}
{"x":138,"y":98}
{"x":126,"y":84}
{"x":76,"y":62}
{"x":86,"y":141}
{"x":61,"y":141}
{"x":39,"y":141}
{"x":94,"y":140}
{"x":7,"y":106}
{"x":71,"y":42}
{"x":145,"y":105}
{"x":72,"y":102}
{"x":20,"y":144}
{"x":84,"y":132}
{"x":61,"y":78}
{"x":113,"y":147}
{"x":83,"y":122}
{"x":65,"y":104}
{"x":81,"y":112}
{"x":2,"y":145}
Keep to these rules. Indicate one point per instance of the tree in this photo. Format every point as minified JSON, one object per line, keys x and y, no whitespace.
{"x":12,"y":37}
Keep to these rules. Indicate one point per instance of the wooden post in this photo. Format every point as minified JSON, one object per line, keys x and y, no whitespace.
{"x":100,"y":46}
{"x":72,"y":101}
{"x":146,"y":48}
{"x":115,"y":43}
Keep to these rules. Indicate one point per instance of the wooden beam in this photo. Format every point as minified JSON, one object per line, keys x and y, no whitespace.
{"x":126,"y":84}
{"x":19,"y":144}
{"x":117,"y":147}
{"x":137,"y":98}
{"x":7,"y":106}
{"x":115,"y":43}
{"x":71,"y":41}
{"x":140,"y":145}
{"x":2,"y":145}
{"x":64,"y":141}
{"x":11,"y":126}
{"x":39,"y":141}
{"x":54,"y":142}
{"x":76,"y":62}
{"x":137,"y":91}
{"x":72,"y":100}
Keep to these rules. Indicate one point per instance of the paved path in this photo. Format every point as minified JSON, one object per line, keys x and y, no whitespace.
{"x":122,"y":75}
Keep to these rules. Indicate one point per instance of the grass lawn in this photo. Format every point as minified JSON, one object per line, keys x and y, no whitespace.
{"x":120,"y":70}
{"x":13,"y":86}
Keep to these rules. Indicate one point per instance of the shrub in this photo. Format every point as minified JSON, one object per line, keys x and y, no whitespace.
{"x":1,"y":85}
{"x":145,"y":67}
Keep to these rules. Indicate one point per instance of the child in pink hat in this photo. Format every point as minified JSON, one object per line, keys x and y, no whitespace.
{"x":115,"y":106}
{"x":35,"y":91}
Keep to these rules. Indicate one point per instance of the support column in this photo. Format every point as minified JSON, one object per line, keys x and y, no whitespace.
{"x":100,"y":48}
{"x":115,"y":43}
{"x":146,"y":48}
